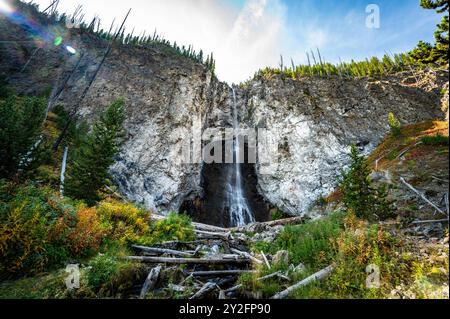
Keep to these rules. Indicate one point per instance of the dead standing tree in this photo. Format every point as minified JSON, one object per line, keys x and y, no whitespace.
{"x":73,"y":113}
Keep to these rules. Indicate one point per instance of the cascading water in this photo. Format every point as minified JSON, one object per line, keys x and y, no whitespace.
{"x":238,"y":207}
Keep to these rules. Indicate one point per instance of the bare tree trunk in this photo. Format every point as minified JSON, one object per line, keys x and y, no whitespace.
{"x":63,"y":171}
{"x":317,"y":276}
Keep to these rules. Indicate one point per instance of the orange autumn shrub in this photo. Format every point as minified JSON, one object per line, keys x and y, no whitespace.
{"x":87,"y":234}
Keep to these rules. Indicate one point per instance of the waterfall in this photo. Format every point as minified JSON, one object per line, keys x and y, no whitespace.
{"x":239,"y":210}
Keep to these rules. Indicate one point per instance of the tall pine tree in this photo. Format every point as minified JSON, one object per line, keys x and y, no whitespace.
{"x":89,"y":172}
{"x":424,"y":52}
{"x":21,"y":121}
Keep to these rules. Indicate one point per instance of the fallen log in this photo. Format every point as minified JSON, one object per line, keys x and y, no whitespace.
{"x":150,"y":282}
{"x":210,"y":228}
{"x":280,"y":222}
{"x":447,"y":205}
{"x":246,"y":255}
{"x":421,"y":196}
{"x":430,"y":221}
{"x":206,"y":234}
{"x":195,"y":261}
{"x":317,"y":276}
{"x":286,"y":221}
{"x":221,"y":272}
{"x":265,"y":259}
{"x":231,"y":256}
{"x":163,"y":251}
{"x":209,"y":286}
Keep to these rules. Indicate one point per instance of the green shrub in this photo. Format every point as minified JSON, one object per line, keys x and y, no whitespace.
{"x":111,"y":276}
{"x":359,"y":195}
{"x":124,"y":223}
{"x":276,"y":215}
{"x":310,"y":243}
{"x":173,"y":227}
{"x":435,"y":140}
{"x":394,"y":124}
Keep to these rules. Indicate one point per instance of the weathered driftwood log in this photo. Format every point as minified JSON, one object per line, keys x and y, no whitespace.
{"x":150,"y":282}
{"x":221,"y":272}
{"x":209,"y":286}
{"x":210,"y":228}
{"x":317,"y":276}
{"x":195,"y":261}
{"x":246,"y":255}
{"x":430,"y":221}
{"x":163,"y":251}
{"x":212,"y":285}
{"x":206,"y":234}
{"x":232,"y":256}
{"x":265,"y":259}
{"x":421,"y":195}
{"x":447,"y":205}
{"x":195,"y":245}
{"x":286,"y":221}
{"x":281,"y":222}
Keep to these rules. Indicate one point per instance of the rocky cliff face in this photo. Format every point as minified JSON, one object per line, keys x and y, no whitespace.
{"x":317,"y":118}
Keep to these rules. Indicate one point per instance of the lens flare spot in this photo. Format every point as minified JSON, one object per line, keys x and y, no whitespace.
{"x":70,"y":49}
{"x":5,"y":8}
{"x":39,"y":42}
{"x":58,"y":41}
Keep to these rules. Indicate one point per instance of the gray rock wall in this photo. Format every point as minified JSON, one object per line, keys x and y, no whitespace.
{"x":317,"y":118}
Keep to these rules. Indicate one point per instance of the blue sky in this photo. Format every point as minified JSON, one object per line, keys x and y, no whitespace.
{"x":246,"y":35}
{"x":403,"y":24}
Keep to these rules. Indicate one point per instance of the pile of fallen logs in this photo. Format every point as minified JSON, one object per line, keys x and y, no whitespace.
{"x":213,"y":262}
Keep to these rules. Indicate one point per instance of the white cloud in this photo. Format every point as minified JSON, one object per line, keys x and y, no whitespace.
{"x":242,"y":41}
{"x":255,"y":41}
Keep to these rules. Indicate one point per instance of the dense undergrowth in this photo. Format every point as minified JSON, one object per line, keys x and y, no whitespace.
{"x":41,"y":231}
{"x":357,"y":246}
